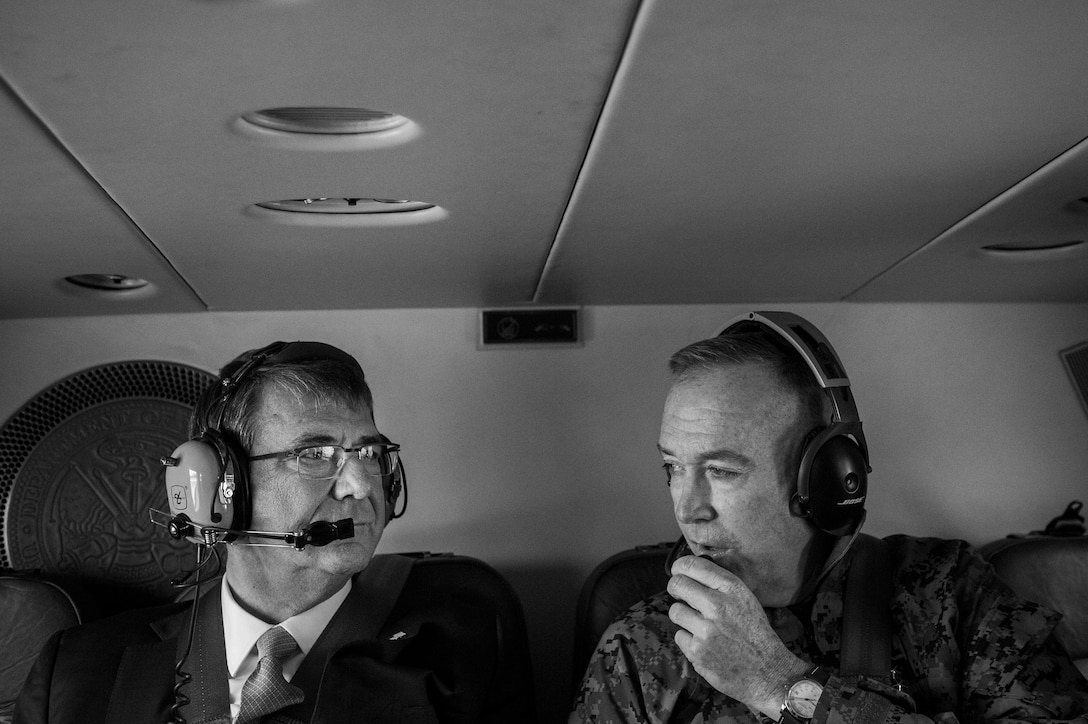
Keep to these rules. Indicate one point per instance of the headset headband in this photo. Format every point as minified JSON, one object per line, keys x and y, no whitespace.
{"x":818,"y":354}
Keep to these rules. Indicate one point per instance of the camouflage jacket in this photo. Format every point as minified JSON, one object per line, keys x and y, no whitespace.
{"x":964,"y":649}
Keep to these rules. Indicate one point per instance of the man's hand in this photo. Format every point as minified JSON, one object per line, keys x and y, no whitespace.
{"x":726,"y":636}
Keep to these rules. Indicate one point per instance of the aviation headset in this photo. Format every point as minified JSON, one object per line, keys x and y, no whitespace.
{"x":207,"y":480}
{"x":832,"y":479}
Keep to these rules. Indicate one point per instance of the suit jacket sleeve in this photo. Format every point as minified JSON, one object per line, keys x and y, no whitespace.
{"x":79,"y":674}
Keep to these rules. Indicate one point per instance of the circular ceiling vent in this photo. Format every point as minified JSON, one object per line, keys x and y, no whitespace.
{"x":107,"y":282}
{"x":1035,"y":250}
{"x":302,"y":119}
{"x":346,"y":205}
{"x":326,"y":128}
{"x":1078,"y":206}
{"x":347,"y":211}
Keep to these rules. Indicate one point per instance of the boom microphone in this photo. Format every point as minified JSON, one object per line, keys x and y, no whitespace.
{"x":316,"y":534}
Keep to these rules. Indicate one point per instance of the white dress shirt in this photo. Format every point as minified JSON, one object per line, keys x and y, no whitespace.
{"x":241,"y":630}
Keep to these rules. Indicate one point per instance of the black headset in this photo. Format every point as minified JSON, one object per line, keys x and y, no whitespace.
{"x":207,"y":480}
{"x":832,"y":479}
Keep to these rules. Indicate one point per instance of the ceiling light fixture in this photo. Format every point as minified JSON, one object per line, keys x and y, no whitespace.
{"x":347,"y":211}
{"x":302,"y":119}
{"x":1078,"y":206}
{"x":331,"y":128}
{"x":1034,"y":251}
{"x":107,"y":282}
{"x":346,"y":205}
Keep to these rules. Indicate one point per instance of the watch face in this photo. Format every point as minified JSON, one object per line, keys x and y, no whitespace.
{"x":802,"y":697}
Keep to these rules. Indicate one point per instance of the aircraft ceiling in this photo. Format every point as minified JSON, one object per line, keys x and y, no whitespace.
{"x":574,"y":152}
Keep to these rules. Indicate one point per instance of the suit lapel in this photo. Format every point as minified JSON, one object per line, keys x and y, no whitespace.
{"x":143,"y":686}
{"x":209,"y":692}
{"x":139,"y":690}
{"x":145,"y":667}
{"x":330,"y":674}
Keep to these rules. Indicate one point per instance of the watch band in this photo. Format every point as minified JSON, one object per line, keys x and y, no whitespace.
{"x":788,"y":718}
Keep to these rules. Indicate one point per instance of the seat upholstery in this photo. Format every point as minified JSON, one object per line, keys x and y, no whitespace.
{"x":471,"y":580}
{"x":31,"y":610}
{"x":1053,"y":571}
{"x":615,"y":585}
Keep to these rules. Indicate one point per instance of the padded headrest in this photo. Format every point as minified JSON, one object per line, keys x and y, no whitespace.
{"x":31,"y":610}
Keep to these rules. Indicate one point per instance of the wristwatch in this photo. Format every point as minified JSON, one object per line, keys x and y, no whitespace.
{"x":802,"y":697}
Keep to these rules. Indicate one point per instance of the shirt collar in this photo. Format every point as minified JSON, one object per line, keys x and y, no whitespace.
{"x":241,"y":629}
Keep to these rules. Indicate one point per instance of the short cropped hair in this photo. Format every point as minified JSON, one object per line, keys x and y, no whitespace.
{"x":761,"y":348}
{"x":327,"y":381}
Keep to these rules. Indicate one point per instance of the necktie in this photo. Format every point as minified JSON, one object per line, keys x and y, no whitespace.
{"x":266,"y":691}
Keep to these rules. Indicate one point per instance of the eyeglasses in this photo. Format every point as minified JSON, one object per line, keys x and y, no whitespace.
{"x":323,"y":462}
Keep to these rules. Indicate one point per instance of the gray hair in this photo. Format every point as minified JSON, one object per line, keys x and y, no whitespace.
{"x":761,"y":347}
{"x":327,"y":381}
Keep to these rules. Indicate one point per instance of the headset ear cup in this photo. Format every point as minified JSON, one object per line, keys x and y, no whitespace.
{"x":210,"y":481}
{"x":206,"y":483}
{"x":837,"y":477}
{"x":799,"y":501}
{"x":192,"y":477}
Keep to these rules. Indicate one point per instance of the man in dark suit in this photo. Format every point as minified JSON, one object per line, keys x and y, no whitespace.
{"x":288,"y":466}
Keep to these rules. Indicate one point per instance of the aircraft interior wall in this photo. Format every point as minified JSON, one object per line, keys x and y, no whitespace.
{"x":542,"y":461}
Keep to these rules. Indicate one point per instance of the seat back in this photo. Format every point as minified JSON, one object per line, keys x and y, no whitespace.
{"x":471,"y":580}
{"x":31,"y":610}
{"x":1052,"y":571}
{"x":615,"y":585}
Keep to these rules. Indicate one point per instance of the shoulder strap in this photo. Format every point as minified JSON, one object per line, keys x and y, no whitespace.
{"x":866,"y":627}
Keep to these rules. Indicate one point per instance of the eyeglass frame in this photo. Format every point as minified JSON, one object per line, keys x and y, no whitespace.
{"x":387,"y":448}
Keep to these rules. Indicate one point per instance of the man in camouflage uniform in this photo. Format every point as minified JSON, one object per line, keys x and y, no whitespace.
{"x":755,"y":601}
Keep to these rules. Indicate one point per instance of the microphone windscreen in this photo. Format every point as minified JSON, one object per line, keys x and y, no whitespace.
{"x":323,"y":532}
{"x":345,"y":528}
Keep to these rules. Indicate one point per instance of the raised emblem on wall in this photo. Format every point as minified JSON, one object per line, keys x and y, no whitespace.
{"x":78,"y":508}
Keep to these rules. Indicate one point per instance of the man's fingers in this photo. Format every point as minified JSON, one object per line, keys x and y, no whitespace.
{"x":684,"y":616}
{"x":685,"y":588}
{"x":705,"y":572}
{"x":684,"y":641}
{"x":700,"y":583}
